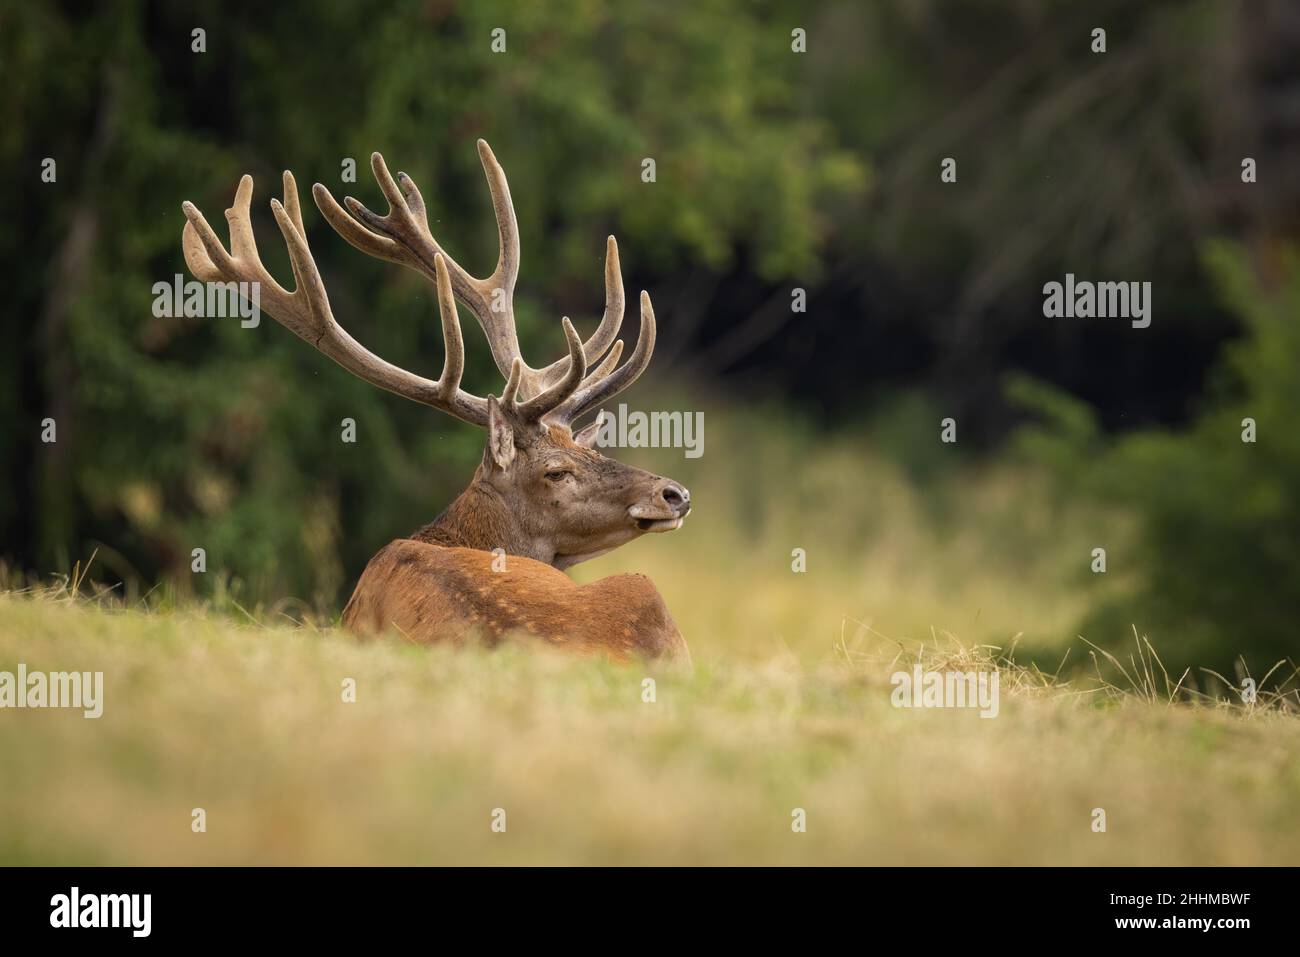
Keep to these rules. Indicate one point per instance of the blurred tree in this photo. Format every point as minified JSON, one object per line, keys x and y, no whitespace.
{"x":1112,"y":166}
{"x":183,"y":433}
{"x":175,"y":434}
{"x":1213,"y":558}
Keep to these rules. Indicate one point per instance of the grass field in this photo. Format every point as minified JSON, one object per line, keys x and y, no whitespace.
{"x":248,"y":723}
{"x":236,"y":710}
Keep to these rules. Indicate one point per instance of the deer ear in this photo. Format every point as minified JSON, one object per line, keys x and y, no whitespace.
{"x":501,"y":437}
{"x":587,"y":435}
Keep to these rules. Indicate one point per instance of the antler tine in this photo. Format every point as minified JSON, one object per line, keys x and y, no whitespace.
{"x":209,"y":261}
{"x":607,"y":364}
{"x":507,"y":271}
{"x":610,"y":322}
{"x":453,"y":363}
{"x":402,"y":236}
{"x":306,"y":311}
{"x":541,"y":405}
{"x":602,"y":389}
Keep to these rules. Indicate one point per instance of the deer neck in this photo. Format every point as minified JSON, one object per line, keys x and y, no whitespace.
{"x":480,"y":518}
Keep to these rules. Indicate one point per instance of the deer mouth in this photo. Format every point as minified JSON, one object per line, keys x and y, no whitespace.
{"x":660,"y":524}
{"x":654,"y":523}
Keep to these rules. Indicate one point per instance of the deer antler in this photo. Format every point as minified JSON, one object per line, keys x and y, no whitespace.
{"x":403,"y":236}
{"x":560,"y":392}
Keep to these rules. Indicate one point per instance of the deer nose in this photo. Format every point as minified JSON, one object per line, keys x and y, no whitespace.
{"x":675,"y":497}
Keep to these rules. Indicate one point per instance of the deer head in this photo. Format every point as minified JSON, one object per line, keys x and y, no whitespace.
{"x":541,"y":491}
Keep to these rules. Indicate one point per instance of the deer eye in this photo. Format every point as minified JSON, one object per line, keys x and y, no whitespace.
{"x":558,"y":475}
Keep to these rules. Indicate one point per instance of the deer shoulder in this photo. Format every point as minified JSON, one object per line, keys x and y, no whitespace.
{"x":432,"y":593}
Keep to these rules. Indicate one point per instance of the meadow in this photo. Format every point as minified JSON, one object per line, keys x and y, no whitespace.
{"x":238,"y":710}
{"x":845,"y":215}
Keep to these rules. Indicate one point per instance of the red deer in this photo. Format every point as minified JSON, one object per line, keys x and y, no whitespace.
{"x":543,"y":499}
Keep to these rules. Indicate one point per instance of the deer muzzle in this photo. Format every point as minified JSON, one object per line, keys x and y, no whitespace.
{"x":667,"y":508}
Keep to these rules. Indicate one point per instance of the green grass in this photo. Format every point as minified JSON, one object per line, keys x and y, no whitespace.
{"x":247,"y":721}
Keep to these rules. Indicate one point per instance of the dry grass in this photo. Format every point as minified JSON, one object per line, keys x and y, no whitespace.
{"x":239,"y":711}
{"x":248,"y":723}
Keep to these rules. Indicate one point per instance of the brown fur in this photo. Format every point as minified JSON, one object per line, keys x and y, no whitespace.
{"x":430,"y":592}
